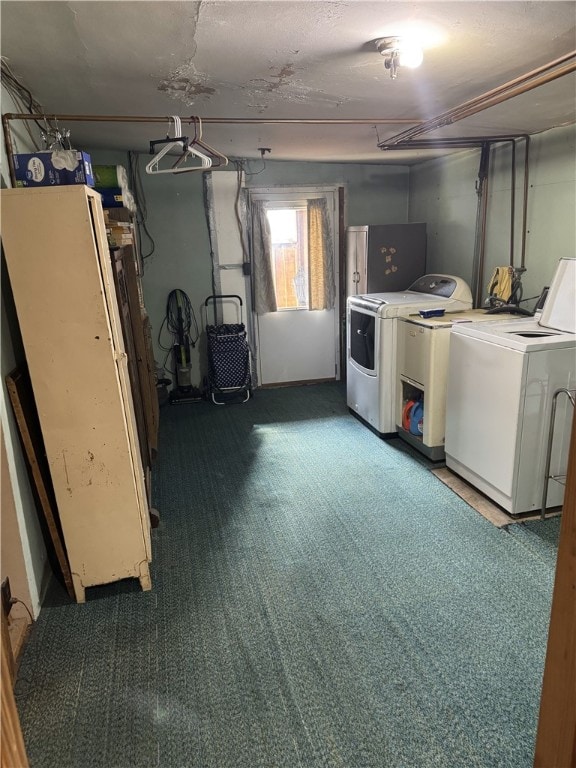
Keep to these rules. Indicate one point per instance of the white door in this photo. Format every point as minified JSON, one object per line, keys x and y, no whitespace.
{"x":296,"y":344}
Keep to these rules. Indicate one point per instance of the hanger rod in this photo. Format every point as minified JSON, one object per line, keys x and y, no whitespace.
{"x":9,"y":116}
{"x":217,"y":120}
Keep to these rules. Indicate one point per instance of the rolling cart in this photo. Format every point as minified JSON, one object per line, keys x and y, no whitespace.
{"x":229,"y":378}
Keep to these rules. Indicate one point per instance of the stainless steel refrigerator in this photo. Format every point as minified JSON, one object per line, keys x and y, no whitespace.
{"x":384,"y":257}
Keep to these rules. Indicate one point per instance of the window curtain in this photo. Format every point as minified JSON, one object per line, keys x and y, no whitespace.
{"x":262,"y":277}
{"x":322,"y":288}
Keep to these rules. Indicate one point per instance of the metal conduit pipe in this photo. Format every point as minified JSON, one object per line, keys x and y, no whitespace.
{"x":519,"y":80}
{"x":512,"y":200}
{"x":9,"y":116}
{"x":484,"y":143}
{"x":490,"y":98}
{"x":217,"y":120}
{"x":451,"y":142}
{"x":473,"y":142}
{"x":518,"y":91}
{"x":480,"y":232}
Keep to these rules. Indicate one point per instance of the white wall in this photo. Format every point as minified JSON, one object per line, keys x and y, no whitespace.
{"x":442,"y":193}
{"x":228,"y":249}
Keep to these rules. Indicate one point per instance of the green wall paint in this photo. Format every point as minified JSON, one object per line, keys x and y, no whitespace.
{"x":181,"y":258}
{"x":375,"y":194}
{"x":442,"y":193}
{"x":177,"y":222}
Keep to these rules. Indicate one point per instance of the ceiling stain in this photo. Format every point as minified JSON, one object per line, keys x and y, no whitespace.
{"x":185,"y":89}
{"x":281,"y":78}
{"x":186,"y":84}
{"x":261,"y":108}
{"x":296,"y":92}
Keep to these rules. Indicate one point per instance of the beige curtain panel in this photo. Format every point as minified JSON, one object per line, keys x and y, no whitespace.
{"x":262,"y":276}
{"x":322,"y":288}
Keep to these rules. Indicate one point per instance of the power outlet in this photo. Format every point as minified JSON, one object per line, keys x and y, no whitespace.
{"x":6,"y":596}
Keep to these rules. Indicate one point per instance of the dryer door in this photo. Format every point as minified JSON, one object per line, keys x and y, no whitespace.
{"x":362,"y":340}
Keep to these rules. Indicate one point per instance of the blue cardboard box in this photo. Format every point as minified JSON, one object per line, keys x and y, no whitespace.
{"x":53,"y":167}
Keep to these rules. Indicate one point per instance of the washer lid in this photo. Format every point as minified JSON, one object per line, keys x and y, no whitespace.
{"x":559,"y":309}
{"x":523,"y":335}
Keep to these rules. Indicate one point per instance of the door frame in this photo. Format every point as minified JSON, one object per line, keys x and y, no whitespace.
{"x":334,"y":195}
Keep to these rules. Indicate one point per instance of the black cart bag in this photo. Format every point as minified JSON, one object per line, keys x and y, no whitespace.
{"x":229,"y":375}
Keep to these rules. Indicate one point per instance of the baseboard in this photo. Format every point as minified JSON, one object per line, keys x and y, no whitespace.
{"x":296,"y":383}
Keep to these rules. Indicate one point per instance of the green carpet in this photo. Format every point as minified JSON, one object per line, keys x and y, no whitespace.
{"x":319,"y":600}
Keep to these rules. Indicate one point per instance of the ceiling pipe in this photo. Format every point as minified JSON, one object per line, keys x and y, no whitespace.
{"x":10,"y":116}
{"x":512,"y":200}
{"x":481,"y":222}
{"x":533,"y":79}
{"x":485,"y":143}
{"x":217,"y":120}
{"x":451,"y":142}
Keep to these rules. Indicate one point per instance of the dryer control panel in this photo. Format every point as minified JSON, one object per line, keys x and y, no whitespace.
{"x":437,"y":285}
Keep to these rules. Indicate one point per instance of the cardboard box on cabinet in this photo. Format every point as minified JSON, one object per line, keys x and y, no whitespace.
{"x":53,"y":168}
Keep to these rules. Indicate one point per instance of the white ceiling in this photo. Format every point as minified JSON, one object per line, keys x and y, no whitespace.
{"x":270,"y":59}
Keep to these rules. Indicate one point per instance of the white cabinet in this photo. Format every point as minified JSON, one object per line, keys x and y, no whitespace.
{"x":58,"y":261}
{"x":423,"y":354}
{"x":422,"y":369}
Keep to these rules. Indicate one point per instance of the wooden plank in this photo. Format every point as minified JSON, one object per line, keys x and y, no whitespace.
{"x":120,"y":281}
{"x":154,"y":405}
{"x":18,"y":630}
{"x":22,"y":398}
{"x":13,"y":751}
{"x":492,"y":512}
{"x":7,"y":651}
{"x":556,"y":736}
{"x":142,"y":343}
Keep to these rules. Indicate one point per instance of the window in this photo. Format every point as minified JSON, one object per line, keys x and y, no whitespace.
{"x":292,"y":249}
{"x":289,"y":238}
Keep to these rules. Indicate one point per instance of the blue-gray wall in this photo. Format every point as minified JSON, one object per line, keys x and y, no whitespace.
{"x":177,"y":220}
{"x":442,"y":193}
{"x":375,"y":194}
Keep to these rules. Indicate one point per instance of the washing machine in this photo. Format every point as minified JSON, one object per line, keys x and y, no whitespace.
{"x":371,"y":343}
{"x":502,"y":377}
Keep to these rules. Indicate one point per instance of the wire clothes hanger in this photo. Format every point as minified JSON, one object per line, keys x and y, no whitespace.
{"x":193,"y":151}
{"x":197,"y":141}
{"x":178,"y":142}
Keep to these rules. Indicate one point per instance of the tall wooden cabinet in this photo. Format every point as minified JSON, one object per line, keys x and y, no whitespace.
{"x":54,"y":240}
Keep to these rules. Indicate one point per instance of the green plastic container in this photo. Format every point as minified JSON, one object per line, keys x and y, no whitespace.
{"x":107,"y":176}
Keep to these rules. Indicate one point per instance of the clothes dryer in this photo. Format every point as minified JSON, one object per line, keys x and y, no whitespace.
{"x":371,"y":322}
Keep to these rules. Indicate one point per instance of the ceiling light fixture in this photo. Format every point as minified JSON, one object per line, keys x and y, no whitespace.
{"x":399,"y":52}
